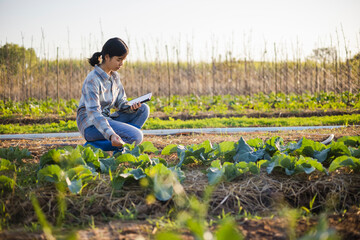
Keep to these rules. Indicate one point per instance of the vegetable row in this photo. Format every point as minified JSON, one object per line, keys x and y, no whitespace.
{"x":194,"y":104}
{"x":76,"y":167}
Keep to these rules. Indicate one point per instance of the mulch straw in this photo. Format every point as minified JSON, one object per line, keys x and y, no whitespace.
{"x":258,"y":194}
{"x":263,"y":193}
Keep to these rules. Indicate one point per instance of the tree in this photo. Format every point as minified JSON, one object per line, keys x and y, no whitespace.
{"x":12,"y":57}
{"x":323,"y":54}
{"x":355,"y":58}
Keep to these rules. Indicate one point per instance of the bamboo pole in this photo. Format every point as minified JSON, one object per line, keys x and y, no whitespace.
{"x":275,"y":65}
{"x":213,"y":73}
{"x":57,"y":75}
{"x":324,"y":76}
{"x":168,"y":73}
{"x":287,"y":75}
{"x":246,"y":78}
{"x":317,"y":79}
{"x":336,"y":74}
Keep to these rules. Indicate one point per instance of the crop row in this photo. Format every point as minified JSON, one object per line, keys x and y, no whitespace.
{"x":156,"y":123}
{"x":197,"y":104}
{"x":75,"y":167}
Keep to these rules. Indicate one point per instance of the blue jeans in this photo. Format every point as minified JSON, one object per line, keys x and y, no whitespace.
{"x":126,"y":125}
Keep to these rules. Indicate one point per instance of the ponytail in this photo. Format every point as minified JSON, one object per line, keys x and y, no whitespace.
{"x":95,"y":59}
{"x":113,"y":47}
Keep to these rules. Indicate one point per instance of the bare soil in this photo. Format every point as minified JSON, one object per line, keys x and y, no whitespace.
{"x":38,"y":146}
{"x":347,"y":224}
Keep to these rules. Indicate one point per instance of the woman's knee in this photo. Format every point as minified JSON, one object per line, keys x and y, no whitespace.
{"x":145,"y":109}
{"x":138,"y":137}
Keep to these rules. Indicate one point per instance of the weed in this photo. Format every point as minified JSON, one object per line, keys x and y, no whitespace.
{"x":307,"y":211}
{"x":127,"y":214}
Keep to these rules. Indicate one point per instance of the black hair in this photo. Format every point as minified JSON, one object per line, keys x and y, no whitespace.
{"x":113,"y":47}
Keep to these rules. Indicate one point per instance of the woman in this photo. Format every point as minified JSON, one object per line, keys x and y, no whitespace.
{"x":102,"y":90}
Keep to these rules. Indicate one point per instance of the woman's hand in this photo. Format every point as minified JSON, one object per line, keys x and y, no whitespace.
{"x":135,"y":106}
{"x":116,"y":140}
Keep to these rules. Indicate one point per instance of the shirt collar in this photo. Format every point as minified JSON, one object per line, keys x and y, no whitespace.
{"x":103,"y":75}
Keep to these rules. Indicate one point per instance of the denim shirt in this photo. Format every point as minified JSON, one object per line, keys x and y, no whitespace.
{"x":100,"y":93}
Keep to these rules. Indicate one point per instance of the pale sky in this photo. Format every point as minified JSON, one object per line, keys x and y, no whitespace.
{"x":196,"y":29}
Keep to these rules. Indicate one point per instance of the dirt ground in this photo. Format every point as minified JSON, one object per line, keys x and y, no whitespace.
{"x":38,"y":146}
{"x":347,"y":224}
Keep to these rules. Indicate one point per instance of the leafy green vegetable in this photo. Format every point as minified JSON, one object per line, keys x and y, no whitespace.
{"x":51,"y":173}
{"x":255,"y":143}
{"x":81,"y":172}
{"x":50,"y":157}
{"x":75,"y":185}
{"x":337,"y":149}
{"x":148,"y":147}
{"x":355,"y":152}
{"x":169,"y":149}
{"x":345,"y":161}
{"x":118,"y":182}
{"x":308,"y":165}
{"x":91,"y":155}
{"x":352,"y":141}
{"x":245,"y":153}
{"x":6,"y":183}
{"x":313,"y":149}
{"x":6,"y":165}
{"x":74,"y":177}
{"x":197,"y":152}
{"x":293,"y":165}
{"x":127,"y":175}
{"x":108,"y":164}
{"x":229,"y":171}
{"x":274,"y":145}
{"x":66,"y":158}
{"x":225,"y":149}
{"x":71,"y":158}
{"x":140,"y":149}
{"x":15,"y":154}
{"x":215,"y":172}
{"x":164,"y":180}
{"x":73,"y":167}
